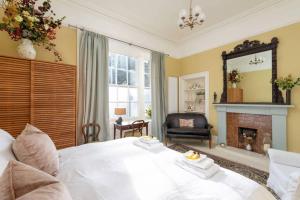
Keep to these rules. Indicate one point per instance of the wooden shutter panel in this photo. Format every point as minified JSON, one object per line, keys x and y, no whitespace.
{"x":53,"y":101}
{"x":14,"y":94}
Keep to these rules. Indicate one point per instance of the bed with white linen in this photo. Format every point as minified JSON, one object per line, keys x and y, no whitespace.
{"x":120,"y":170}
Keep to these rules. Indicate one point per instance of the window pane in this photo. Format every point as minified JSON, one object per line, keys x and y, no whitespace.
{"x":132,"y":78}
{"x":147,"y":67}
{"x":122,"y":62}
{"x":147,"y":80}
{"x":112,"y":60}
{"x":147,"y":95}
{"x":133,"y":94}
{"x":131,"y":64}
{"x":112,"y":76}
{"x":112,"y":107}
{"x":133,"y":110}
{"x":123,"y":94}
{"x":113,"y":93}
{"x":122,"y":77}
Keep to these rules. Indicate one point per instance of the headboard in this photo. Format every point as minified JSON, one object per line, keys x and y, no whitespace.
{"x":40,"y":93}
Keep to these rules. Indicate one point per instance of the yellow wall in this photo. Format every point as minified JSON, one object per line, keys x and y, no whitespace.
{"x":288,"y":63}
{"x":66,"y":44}
{"x":252,"y":93}
{"x":172,"y":66}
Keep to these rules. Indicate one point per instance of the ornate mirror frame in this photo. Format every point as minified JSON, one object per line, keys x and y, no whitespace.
{"x":252,"y":47}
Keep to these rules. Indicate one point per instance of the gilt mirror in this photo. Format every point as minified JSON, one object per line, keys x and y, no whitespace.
{"x":249,"y":73}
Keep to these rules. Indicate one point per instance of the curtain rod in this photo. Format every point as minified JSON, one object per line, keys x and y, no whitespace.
{"x":130,"y":44}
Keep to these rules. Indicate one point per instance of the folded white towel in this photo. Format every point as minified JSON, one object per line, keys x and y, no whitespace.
{"x":202,"y":173}
{"x":156,"y":146}
{"x":148,"y":141}
{"x":202,"y":164}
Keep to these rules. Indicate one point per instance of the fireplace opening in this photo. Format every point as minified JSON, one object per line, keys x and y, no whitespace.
{"x":246,"y":138}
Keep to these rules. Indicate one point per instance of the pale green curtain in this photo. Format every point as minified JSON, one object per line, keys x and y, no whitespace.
{"x":158,"y":93}
{"x":93,"y":83}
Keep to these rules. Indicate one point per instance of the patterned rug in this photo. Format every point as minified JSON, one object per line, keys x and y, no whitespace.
{"x":249,"y":172}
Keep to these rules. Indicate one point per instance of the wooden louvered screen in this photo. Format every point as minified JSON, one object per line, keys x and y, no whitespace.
{"x":53,"y":101}
{"x":14,"y":94}
{"x":40,"y":93}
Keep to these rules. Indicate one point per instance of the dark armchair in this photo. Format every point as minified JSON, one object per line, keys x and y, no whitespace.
{"x":200,"y":130}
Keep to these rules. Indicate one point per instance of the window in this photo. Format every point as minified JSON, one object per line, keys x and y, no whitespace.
{"x":147,"y":85}
{"x":125,"y":88}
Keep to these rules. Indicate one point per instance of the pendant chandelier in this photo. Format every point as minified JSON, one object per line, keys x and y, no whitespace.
{"x":194,"y":16}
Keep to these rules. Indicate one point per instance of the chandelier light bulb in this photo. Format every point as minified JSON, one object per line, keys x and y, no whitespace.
{"x":180,"y":23}
{"x":196,"y":11}
{"x":183,"y":14}
{"x":202,"y":17}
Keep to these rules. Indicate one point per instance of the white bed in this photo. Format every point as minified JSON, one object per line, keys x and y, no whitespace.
{"x":119,"y":170}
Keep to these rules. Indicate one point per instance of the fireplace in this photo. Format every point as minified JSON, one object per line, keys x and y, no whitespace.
{"x":269,"y":120}
{"x":248,"y":131}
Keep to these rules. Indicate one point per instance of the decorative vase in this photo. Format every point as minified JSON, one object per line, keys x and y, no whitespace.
{"x":288,"y":97}
{"x":234,"y":85}
{"x":26,"y":49}
{"x":248,"y":147}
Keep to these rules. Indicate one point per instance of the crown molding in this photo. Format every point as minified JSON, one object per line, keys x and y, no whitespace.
{"x":135,"y":23}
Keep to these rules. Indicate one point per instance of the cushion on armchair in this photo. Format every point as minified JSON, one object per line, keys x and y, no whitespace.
{"x":186,"y":123}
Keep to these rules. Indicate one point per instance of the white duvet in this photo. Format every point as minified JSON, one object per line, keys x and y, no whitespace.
{"x":119,"y":170}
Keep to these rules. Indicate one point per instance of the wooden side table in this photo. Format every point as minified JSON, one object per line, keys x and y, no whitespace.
{"x":126,"y":126}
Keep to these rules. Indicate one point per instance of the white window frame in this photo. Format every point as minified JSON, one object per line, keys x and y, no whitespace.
{"x":139,"y":85}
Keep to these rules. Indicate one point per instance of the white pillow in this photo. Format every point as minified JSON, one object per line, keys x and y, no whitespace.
{"x":6,"y":153}
{"x":284,"y":157}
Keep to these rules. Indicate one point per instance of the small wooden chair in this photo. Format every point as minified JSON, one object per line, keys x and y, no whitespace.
{"x":85,"y":130}
{"x":137,"y":127}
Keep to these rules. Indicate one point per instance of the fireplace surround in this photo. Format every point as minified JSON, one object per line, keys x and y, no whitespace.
{"x":248,"y":130}
{"x":271,"y":118}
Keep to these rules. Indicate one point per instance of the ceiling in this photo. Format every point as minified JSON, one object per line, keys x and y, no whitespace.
{"x":159,"y":17}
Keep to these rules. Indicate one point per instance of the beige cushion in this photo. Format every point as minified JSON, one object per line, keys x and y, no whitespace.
{"x":35,"y":148}
{"x":186,"y":123}
{"x":22,"y":182}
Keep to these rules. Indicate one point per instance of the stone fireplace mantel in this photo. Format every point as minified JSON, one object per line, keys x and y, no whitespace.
{"x":278,"y":113}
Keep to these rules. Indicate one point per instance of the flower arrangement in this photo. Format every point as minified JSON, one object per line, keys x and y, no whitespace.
{"x":23,"y":19}
{"x":234,"y":76}
{"x":148,"y":112}
{"x":287,"y":83}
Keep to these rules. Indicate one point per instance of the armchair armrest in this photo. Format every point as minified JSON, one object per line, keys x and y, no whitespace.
{"x":209,"y":126}
{"x":164,"y":128}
